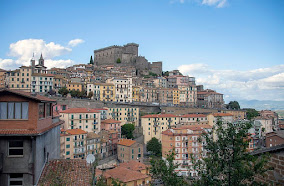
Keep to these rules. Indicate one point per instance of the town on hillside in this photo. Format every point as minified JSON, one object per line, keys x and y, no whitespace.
{"x":107,"y":122}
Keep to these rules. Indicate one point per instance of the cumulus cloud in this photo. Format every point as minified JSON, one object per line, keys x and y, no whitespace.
{"x":23,"y":50}
{"x":75,"y":42}
{"x":217,"y":3}
{"x":259,"y":84}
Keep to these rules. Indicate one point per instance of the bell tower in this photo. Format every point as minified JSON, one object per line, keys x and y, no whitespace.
{"x":41,"y":60}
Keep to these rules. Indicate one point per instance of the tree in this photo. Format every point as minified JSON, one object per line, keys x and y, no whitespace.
{"x":74,"y":93}
{"x":91,"y":60}
{"x":63,"y":91}
{"x":153,"y":74}
{"x":118,"y":60}
{"x":165,"y":73}
{"x":155,"y":147}
{"x":127,"y":130}
{"x":227,"y":161}
{"x":82,"y":94}
{"x":233,"y":105}
{"x":91,"y":94}
{"x":164,"y":170}
{"x":251,"y":113}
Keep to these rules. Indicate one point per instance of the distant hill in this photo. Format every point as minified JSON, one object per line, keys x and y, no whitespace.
{"x":262,"y":105}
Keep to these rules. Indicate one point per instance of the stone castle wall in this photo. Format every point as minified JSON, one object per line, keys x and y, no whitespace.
{"x":128,"y":55}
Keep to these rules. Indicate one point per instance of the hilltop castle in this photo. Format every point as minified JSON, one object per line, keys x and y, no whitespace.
{"x":126,"y":55}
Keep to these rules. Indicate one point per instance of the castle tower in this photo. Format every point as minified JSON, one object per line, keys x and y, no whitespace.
{"x":41,"y":60}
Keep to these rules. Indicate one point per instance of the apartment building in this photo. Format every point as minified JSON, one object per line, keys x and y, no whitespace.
{"x":266,"y":124}
{"x":123,"y":89}
{"x":148,"y":94}
{"x":160,"y":82}
{"x":210,"y":99}
{"x":165,"y":96}
{"x":20,"y":79}
{"x":86,"y":119}
{"x":224,"y":117}
{"x":128,"y":150}
{"x":107,"y":92}
{"x":237,"y":114}
{"x":59,"y":82}
{"x":184,"y":141}
{"x":153,"y":125}
{"x":124,"y":115}
{"x":111,"y":124}
{"x":93,"y":142}
{"x":95,"y":88}
{"x":75,"y":86}
{"x":29,"y":136}
{"x":2,"y":78}
{"x":176,"y":95}
{"x":42,"y":82}
{"x":187,"y":95}
{"x":274,"y":138}
{"x":194,"y":119}
{"x":136,"y":93}
{"x":73,"y":144}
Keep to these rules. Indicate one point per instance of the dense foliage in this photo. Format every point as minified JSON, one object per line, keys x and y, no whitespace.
{"x":233,"y":105}
{"x":251,"y":113}
{"x":227,"y":161}
{"x":164,"y":170}
{"x":63,"y":91}
{"x":127,"y":130}
{"x":155,"y":147}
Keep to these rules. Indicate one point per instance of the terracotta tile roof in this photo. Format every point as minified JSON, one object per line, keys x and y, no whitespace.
{"x":27,"y":132}
{"x":44,"y":75}
{"x":222,"y":114}
{"x":124,"y":175}
{"x":160,"y":116}
{"x":92,"y":135}
{"x":68,"y":172}
{"x":193,"y":115}
{"x":134,"y":165}
{"x":80,"y":110}
{"x":28,"y":95}
{"x":110,"y":121}
{"x":195,"y":127}
{"x":126,"y":142}
{"x":76,"y":131}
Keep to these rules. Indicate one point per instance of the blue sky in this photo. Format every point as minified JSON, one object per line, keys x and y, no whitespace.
{"x":213,"y":40}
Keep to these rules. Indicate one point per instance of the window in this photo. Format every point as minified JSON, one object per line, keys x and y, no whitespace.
{"x":41,"y":110}
{"x":67,"y":139}
{"x":16,"y":148}
{"x":14,"y":110}
{"x":67,"y":146}
{"x":67,"y":152}
{"x":48,"y":109}
{"x":16,"y":179}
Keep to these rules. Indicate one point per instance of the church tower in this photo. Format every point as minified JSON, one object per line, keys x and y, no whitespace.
{"x":41,"y":60}
{"x":33,"y":61}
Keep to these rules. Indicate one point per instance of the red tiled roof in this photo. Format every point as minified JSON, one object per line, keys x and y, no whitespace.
{"x":28,"y":95}
{"x":160,"y":116}
{"x":69,"y":172}
{"x":44,"y":75}
{"x":109,"y":121}
{"x":222,"y":114}
{"x":125,"y":175}
{"x":126,"y":142}
{"x":27,"y":132}
{"x":134,"y":165}
{"x":193,"y":115}
{"x":80,"y":110}
{"x":75,"y":131}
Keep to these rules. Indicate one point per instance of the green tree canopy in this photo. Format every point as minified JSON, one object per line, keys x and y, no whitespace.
{"x":63,"y":91}
{"x":118,"y":60}
{"x":233,"y":105}
{"x":164,"y":170}
{"x":251,"y":113}
{"x":127,"y":130}
{"x":166,"y":73}
{"x":227,"y":161}
{"x":91,"y":94}
{"x":91,"y":60}
{"x":155,"y":147}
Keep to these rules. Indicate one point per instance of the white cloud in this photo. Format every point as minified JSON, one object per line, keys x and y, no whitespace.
{"x":217,"y":3}
{"x":259,"y":84}
{"x":23,"y":51}
{"x":75,"y":42}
